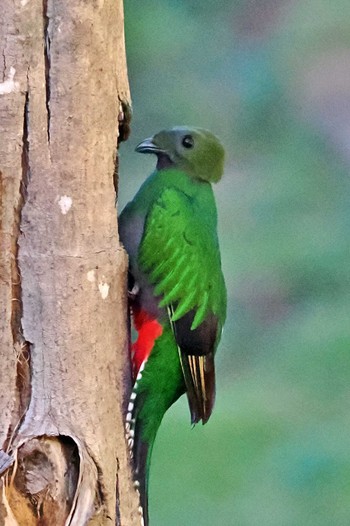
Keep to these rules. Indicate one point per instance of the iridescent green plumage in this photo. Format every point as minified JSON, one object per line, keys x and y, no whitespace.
{"x":170,"y":233}
{"x":183,"y":222}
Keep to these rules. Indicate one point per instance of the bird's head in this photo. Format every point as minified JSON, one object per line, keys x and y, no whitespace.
{"x":193,"y":150}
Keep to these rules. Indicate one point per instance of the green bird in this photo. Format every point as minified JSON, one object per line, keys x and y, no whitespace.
{"x":177,"y":289}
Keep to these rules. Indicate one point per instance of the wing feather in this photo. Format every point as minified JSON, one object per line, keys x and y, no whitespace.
{"x":184,"y":305}
{"x":180,"y":254}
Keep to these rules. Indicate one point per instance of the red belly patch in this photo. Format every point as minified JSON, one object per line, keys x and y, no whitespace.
{"x":148,"y":329}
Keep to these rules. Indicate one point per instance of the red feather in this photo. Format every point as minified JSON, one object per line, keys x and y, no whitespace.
{"x":148,"y":329}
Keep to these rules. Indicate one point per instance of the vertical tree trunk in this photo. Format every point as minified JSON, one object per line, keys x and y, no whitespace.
{"x":63,"y":91}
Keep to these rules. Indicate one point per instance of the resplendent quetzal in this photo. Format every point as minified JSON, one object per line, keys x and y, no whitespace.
{"x":178,"y":294}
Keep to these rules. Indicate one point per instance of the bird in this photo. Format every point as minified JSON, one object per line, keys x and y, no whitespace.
{"x":176,"y":287}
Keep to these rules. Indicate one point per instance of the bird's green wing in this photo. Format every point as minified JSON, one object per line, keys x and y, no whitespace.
{"x":179,"y":252}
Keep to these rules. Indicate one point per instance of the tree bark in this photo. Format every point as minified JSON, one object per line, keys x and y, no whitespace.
{"x":63,"y":331}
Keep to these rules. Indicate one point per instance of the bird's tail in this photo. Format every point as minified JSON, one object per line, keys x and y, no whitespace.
{"x":141,"y":434}
{"x":140,"y":450}
{"x":158,"y":384}
{"x":141,"y":463}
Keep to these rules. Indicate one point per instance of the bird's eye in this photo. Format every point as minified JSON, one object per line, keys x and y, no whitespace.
{"x":188,"y":142}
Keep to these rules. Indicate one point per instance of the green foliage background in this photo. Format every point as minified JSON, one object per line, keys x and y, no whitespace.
{"x":271,"y":78}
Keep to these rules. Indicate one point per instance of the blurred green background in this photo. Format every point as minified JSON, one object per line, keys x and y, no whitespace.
{"x":272,"y":79}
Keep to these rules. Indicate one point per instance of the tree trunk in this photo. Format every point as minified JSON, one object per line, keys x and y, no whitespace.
{"x":63,"y":339}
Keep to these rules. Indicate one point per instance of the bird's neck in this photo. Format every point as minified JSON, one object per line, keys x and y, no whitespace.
{"x":164,"y":161}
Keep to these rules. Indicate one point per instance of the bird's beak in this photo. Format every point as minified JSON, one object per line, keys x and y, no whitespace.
{"x":148,"y":146}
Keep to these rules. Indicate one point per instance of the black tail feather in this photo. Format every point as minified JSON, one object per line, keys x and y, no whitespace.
{"x":141,"y":455}
{"x":199,"y":374}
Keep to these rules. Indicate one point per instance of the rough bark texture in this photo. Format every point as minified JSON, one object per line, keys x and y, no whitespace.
{"x":63,"y":92}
